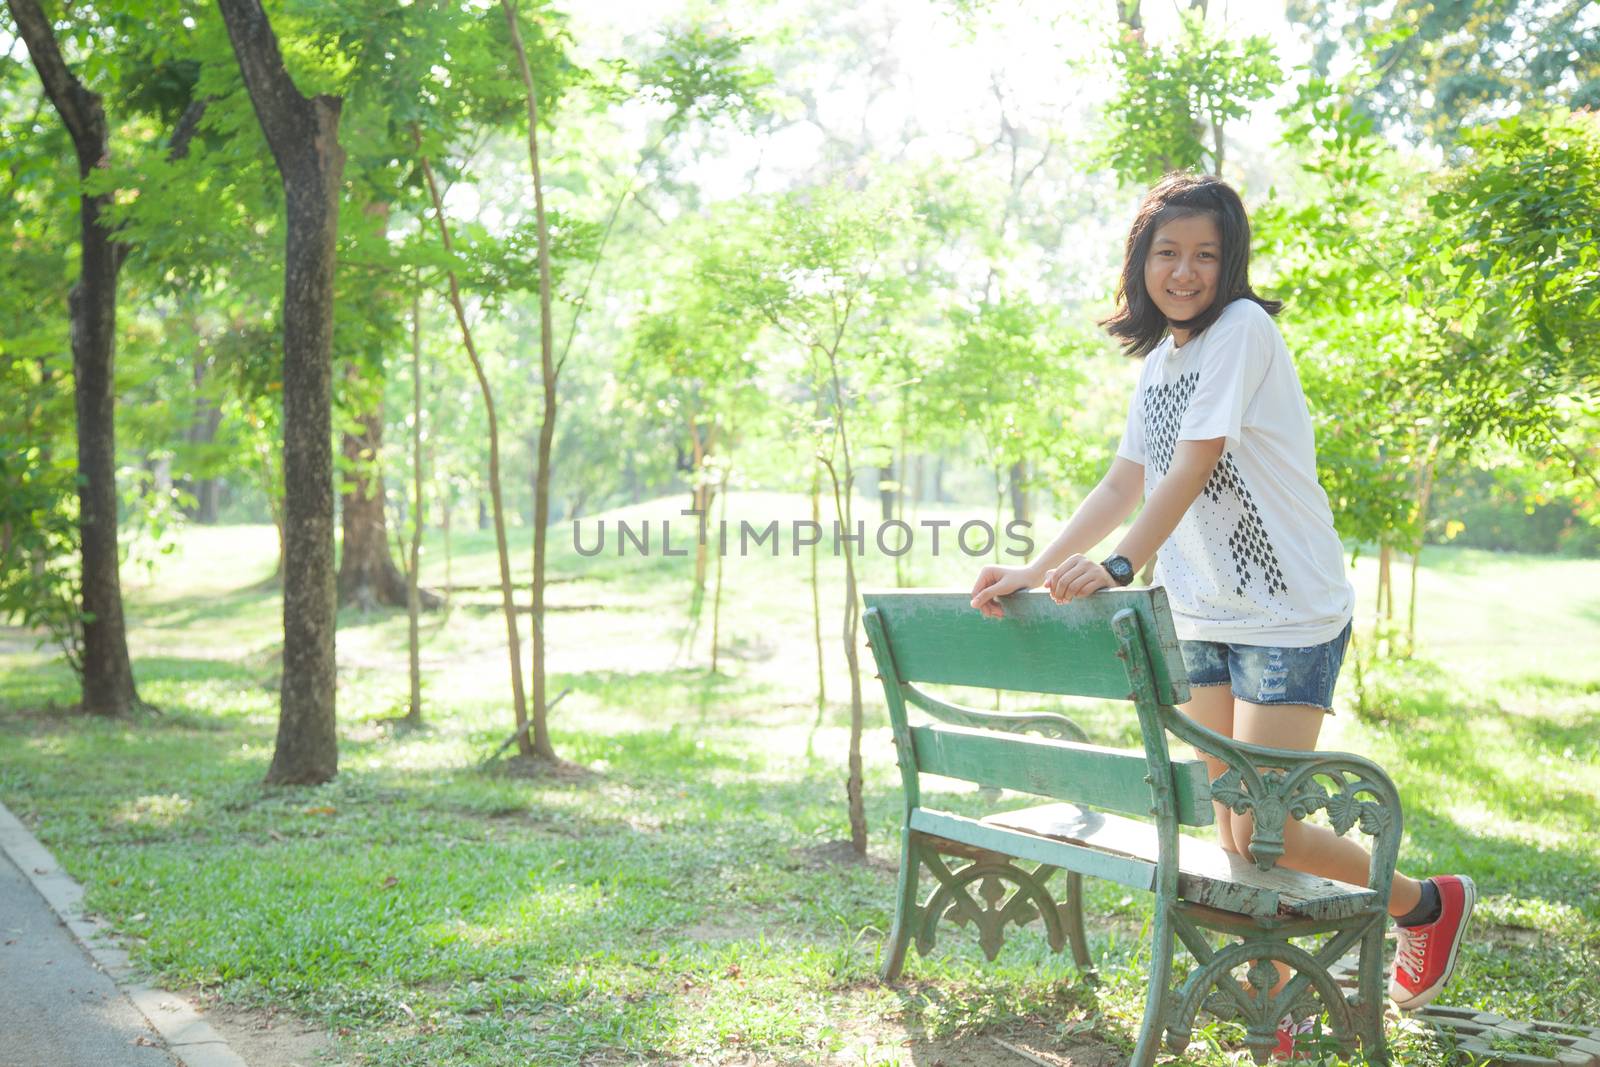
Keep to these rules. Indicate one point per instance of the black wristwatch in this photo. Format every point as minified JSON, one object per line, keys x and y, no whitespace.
{"x":1119,"y":568}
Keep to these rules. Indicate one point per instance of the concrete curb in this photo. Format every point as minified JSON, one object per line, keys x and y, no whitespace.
{"x":190,"y":1039}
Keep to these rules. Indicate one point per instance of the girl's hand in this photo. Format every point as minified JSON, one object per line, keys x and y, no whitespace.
{"x":996,"y":581}
{"x":1078,"y":576}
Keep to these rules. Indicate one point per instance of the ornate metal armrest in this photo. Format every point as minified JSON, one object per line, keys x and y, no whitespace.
{"x":1043,"y":723}
{"x":1273,"y":784}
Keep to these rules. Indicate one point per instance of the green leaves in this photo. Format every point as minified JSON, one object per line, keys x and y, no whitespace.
{"x":1172,"y":99}
{"x":701,"y":76}
{"x":1523,"y":216}
{"x":1439,"y":68}
{"x":38,"y":505}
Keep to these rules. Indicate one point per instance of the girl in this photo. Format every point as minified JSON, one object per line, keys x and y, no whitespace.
{"x":1219,"y":443}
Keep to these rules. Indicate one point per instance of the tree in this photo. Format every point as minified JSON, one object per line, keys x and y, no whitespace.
{"x":1009,"y":374}
{"x":519,"y":703}
{"x":820,"y":277}
{"x":548,"y":371}
{"x":691,"y":365}
{"x":1522,"y":218}
{"x":1439,"y":68}
{"x":107,"y":673}
{"x":367,"y":572}
{"x":303,"y":134}
{"x":697,"y":76}
{"x":1173,"y":106}
{"x":38,"y":521}
{"x":418,"y":512}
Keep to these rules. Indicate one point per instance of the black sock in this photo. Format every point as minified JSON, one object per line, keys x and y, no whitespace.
{"x":1427,"y":910}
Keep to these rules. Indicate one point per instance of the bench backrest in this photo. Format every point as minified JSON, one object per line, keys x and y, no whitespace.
{"x":1039,"y":647}
{"x":1074,"y":649}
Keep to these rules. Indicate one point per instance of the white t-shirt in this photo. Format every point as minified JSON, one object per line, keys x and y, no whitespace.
{"x":1255,"y":560}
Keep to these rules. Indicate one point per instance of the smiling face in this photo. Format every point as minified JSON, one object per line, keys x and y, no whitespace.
{"x":1182,"y":269}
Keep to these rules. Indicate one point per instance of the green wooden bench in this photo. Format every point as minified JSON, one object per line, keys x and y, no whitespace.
{"x":1116,"y":815}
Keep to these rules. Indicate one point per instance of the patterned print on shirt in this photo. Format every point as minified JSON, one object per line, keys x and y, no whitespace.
{"x":1252,"y":552}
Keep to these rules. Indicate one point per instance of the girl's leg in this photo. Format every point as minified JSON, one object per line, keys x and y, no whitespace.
{"x":1313,"y":849}
{"x":1212,"y":707}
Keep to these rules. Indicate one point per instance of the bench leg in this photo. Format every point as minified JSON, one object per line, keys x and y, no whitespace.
{"x":1253,"y":1002}
{"x":1372,"y":996}
{"x":993,"y":907}
{"x":1158,"y":992}
{"x":1072,"y":920}
{"x":905,"y":909}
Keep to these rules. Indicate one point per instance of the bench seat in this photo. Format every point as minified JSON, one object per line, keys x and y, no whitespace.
{"x":1125,"y":850}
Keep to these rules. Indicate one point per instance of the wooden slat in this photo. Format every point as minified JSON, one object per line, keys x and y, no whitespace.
{"x":1206,"y":874}
{"x":1040,"y":646}
{"x":1237,"y":925}
{"x":1139,"y":874}
{"x":1063,"y":770}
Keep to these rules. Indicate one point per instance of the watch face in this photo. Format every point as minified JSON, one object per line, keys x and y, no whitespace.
{"x":1120,"y":569}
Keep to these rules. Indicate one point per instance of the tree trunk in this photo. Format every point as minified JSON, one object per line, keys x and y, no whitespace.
{"x":107,"y":681}
{"x":854,"y":780}
{"x":444,"y":529}
{"x":903,"y":462}
{"x":1385,"y":582}
{"x":203,"y":431}
{"x":578,"y":502}
{"x":272,"y":490}
{"x":701,"y":495}
{"x":207,"y":500}
{"x":542,"y":746}
{"x":418,"y":520}
{"x":816,"y":606}
{"x":842,"y":496}
{"x":303,"y":134}
{"x":886,"y":492}
{"x":367,"y":574}
{"x":716,"y":599}
{"x":1424,"y":496}
{"x":1020,"y":510}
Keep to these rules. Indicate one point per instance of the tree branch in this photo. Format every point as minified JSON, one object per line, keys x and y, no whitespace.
{"x":187,"y":126}
{"x":80,"y":110}
{"x":600,"y":250}
{"x":289,"y":119}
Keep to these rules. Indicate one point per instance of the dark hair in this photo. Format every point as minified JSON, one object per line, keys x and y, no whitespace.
{"x":1137,"y":322}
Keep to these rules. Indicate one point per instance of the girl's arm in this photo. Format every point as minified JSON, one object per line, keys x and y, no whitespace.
{"x":1192,"y":464}
{"x":1101,"y":512}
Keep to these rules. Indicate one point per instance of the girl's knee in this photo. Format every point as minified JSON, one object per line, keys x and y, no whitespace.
{"x":1297,"y":845}
{"x":1243,"y":827}
{"x":1225,"y":831}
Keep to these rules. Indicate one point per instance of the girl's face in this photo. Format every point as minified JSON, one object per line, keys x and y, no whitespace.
{"x":1182,"y":268}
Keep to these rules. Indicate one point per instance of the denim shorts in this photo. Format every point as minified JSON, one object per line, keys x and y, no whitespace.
{"x":1264,"y":674}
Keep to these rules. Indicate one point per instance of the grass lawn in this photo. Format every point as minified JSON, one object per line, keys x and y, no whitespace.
{"x":683,"y":899}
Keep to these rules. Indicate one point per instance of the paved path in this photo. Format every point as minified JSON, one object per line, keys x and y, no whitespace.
{"x":57,"y":1009}
{"x":68,"y":995}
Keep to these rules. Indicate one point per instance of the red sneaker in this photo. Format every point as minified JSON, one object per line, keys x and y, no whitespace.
{"x":1288,"y":1032}
{"x":1425,"y":956}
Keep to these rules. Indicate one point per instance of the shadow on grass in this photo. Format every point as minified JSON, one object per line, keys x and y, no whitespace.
{"x":1556,"y":687}
{"x":184,"y":614}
